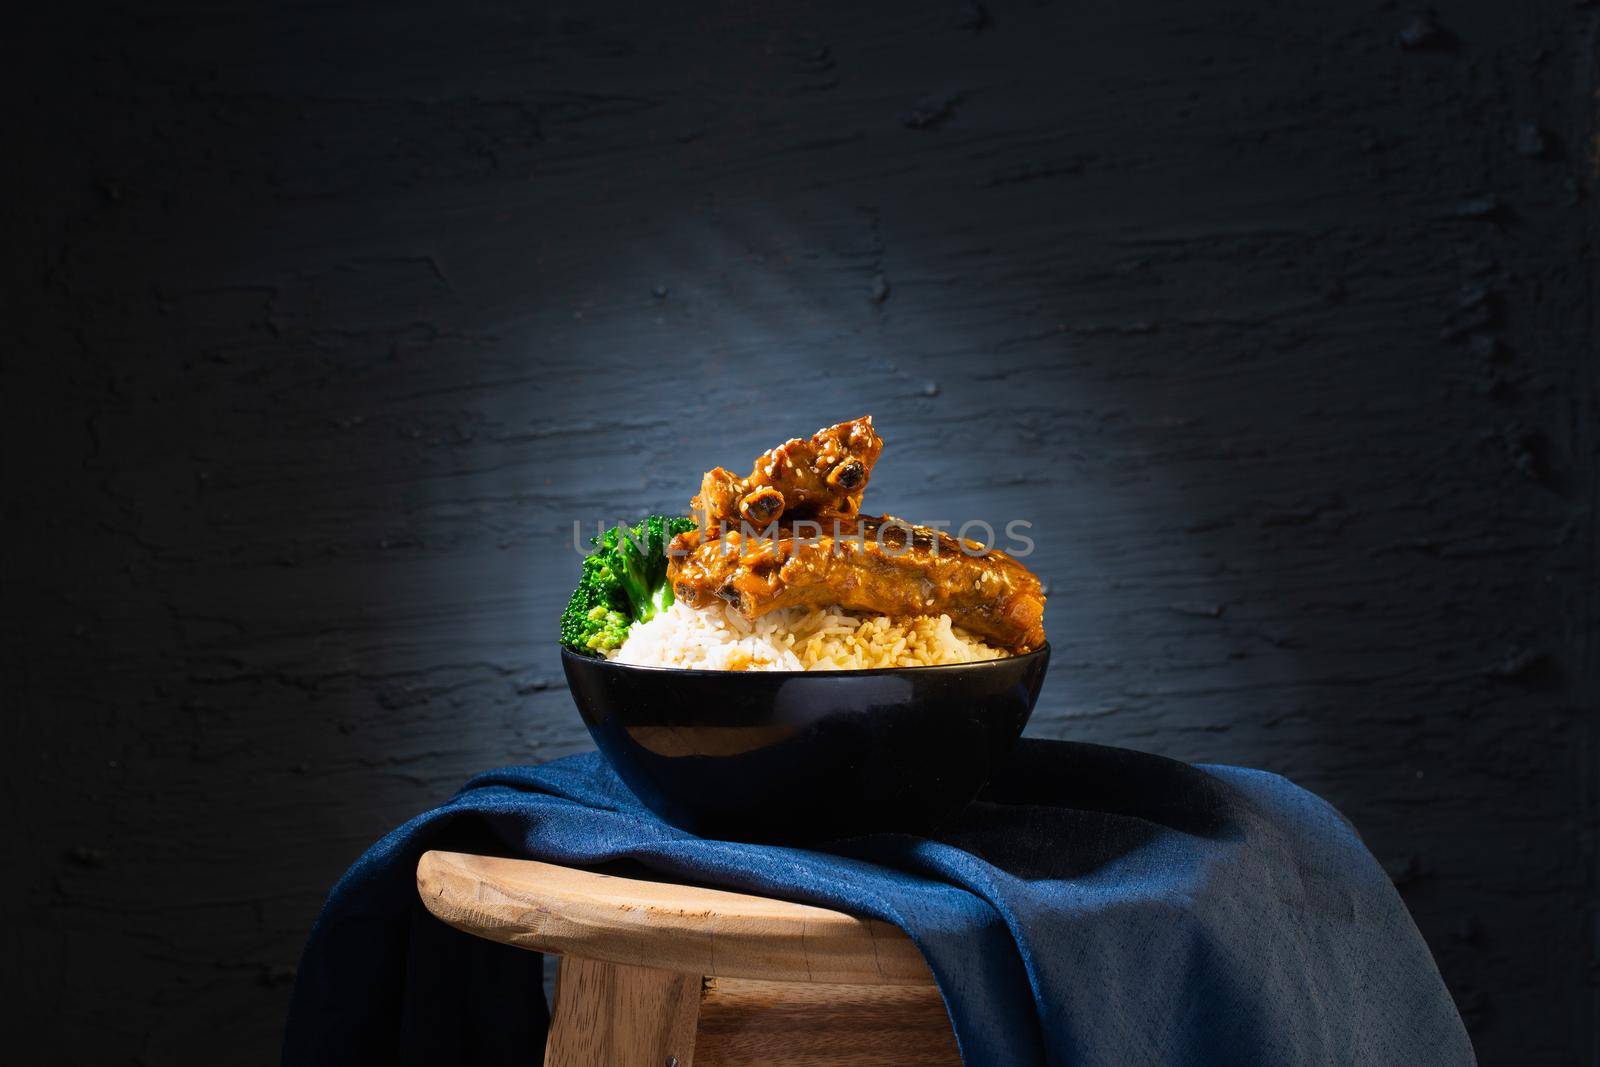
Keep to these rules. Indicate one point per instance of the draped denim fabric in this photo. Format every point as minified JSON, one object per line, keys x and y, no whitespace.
{"x":1096,"y":906}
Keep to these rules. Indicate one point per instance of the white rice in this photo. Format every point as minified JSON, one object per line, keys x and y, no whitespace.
{"x":717,"y":638}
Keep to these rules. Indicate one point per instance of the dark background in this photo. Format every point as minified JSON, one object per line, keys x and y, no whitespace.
{"x":324,"y":325}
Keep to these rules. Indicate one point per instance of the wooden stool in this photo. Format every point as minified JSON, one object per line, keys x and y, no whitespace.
{"x":659,"y":974}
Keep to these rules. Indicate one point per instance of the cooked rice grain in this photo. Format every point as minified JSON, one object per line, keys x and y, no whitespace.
{"x":718,"y":638}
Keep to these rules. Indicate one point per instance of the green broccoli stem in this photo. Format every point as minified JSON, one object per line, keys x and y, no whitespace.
{"x":659,"y":600}
{"x":636,"y":587}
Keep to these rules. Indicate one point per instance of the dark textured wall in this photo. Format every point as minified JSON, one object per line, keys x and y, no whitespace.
{"x":323,"y":326}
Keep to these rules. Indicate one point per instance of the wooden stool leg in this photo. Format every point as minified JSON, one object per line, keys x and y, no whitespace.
{"x":746,"y":1023}
{"x":613,"y":1015}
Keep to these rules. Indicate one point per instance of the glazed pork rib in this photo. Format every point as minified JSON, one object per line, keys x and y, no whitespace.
{"x":868,"y":563}
{"x":824,"y":474}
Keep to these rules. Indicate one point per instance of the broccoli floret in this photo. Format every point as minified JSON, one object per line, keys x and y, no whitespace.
{"x":624,"y":581}
{"x":642,"y":555}
{"x":597,"y":618}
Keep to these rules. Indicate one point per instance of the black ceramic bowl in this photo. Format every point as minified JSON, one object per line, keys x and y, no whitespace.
{"x":806,"y":755}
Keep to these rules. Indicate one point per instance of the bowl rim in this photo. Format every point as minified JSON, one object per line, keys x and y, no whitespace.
{"x":848,"y":672}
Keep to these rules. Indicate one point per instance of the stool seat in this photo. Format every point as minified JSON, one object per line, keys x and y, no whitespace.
{"x":660,"y":972}
{"x":670,"y":925}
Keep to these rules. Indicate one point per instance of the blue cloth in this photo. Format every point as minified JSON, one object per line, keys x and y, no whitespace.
{"x":1094,"y":906}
